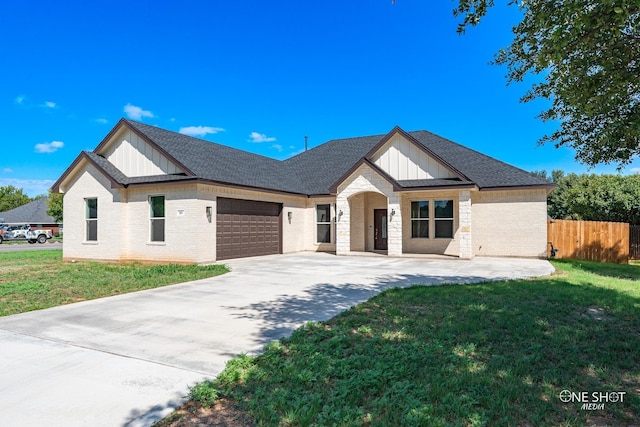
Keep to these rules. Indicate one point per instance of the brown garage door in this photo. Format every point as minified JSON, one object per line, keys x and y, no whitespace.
{"x":247,"y":228}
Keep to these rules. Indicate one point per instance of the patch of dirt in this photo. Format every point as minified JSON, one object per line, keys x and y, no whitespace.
{"x":605,"y":421}
{"x":596,"y":313}
{"x":222,"y":414}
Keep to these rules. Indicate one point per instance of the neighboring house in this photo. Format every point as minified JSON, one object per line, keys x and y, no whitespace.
{"x":33,"y":213}
{"x":150,"y":194}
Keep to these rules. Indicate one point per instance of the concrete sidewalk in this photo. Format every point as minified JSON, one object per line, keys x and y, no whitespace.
{"x":129,"y":359}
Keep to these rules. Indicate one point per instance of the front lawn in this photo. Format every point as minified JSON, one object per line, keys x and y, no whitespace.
{"x":494,"y":354}
{"x":33,"y":280}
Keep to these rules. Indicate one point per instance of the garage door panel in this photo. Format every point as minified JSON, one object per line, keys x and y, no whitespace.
{"x":247,"y":228}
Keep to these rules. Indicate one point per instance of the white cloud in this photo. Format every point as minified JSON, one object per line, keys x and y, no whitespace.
{"x":102,"y":121}
{"x":7,"y":170}
{"x":199,"y":130}
{"x":20,"y":99}
{"x":136,"y":113}
{"x":49,"y":104}
{"x":635,"y":170}
{"x":49,"y":147}
{"x":260,"y":137}
{"x":32,"y":187}
{"x":277,"y":147}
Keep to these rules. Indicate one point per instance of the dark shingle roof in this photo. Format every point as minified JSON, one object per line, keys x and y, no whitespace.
{"x":34,"y":212}
{"x":320,"y":168}
{"x":215,"y":162}
{"x":108,"y":167}
{"x":315,"y":171}
{"x":485,"y":171}
{"x":122,"y":179}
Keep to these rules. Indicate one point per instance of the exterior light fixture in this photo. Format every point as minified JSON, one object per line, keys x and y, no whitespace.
{"x":289,"y":216}
{"x":209,"y":211}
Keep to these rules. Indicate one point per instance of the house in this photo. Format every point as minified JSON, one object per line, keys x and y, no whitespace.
{"x":33,"y":213}
{"x":154,"y":195}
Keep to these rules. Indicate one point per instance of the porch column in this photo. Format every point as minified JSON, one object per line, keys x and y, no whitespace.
{"x":394,"y":227}
{"x":343,"y":228}
{"x":464,"y":216}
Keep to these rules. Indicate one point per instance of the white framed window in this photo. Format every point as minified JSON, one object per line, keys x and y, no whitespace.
{"x":323,"y":223}
{"x":91,"y":219}
{"x":157,"y":218}
{"x":443,"y":216}
{"x":420,"y":219}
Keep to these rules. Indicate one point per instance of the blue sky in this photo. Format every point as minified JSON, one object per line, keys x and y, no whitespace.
{"x":259,"y":76}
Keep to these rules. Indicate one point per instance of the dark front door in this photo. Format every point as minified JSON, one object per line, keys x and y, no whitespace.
{"x":380,"y":229}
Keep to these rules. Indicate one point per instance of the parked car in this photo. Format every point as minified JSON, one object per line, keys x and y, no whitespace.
{"x":24,"y":232}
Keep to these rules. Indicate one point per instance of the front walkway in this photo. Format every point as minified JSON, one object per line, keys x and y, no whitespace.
{"x":129,"y":359}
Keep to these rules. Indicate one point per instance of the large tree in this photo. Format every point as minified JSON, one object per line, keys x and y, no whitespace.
{"x":586,"y":54}
{"x":606,"y":198}
{"x":595,"y":197}
{"x":54,"y":206}
{"x":11,"y":197}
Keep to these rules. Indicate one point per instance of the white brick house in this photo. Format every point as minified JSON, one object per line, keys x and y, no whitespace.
{"x":154,"y":195}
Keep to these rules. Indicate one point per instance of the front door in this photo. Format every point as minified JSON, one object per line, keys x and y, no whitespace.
{"x":380,"y":229}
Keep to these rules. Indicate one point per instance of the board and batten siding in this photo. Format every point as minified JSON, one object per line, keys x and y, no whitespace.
{"x":134,"y":157}
{"x":403,"y":160}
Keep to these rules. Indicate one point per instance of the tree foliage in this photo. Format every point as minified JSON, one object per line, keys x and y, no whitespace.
{"x":587,"y":53}
{"x":595,"y":197}
{"x":12,"y":197}
{"x":55,"y":206}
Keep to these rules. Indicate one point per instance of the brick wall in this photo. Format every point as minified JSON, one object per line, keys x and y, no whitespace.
{"x":89,"y":183}
{"x":124,"y":220}
{"x":509,"y":223}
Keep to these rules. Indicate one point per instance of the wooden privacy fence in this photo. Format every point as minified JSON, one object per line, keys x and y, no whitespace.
{"x":589,"y":240}
{"x":634,"y":242}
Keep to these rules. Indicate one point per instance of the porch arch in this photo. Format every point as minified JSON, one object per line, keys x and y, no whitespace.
{"x":366,"y":184}
{"x":363,"y":229}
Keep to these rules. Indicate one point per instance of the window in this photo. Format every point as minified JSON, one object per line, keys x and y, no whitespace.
{"x":157,"y":218}
{"x":91,"y":219}
{"x":323,"y":223}
{"x":444,"y":218}
{"x":420,"y":218}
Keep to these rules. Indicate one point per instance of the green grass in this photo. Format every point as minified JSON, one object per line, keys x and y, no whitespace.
{"x":492,"y":354}
{"x":33,"y":280}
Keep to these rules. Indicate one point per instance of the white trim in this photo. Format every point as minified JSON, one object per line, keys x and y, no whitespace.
{"x":432,"y":218}
{"x":151,"y":219}
{"x":87,"y":219}
{"x":316,"y":223}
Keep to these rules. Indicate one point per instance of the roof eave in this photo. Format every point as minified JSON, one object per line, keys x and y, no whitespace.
{"x":547,"y":187}
{"x":333,"y":189}
{"x":55,"y":188}
{"x":219,"y":184}
{"x":465,"y":186}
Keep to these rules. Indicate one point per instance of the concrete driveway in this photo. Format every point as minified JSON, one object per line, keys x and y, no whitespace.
{"x":129,"y":359}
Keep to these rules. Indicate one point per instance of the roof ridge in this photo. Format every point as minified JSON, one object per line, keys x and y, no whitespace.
{"x":311,"y":172}
{"x":470,"y":149}
{"x":200,"y":140}
{"x":541,"y":181}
